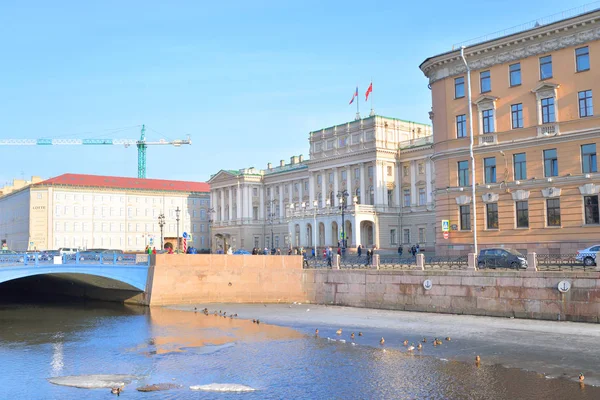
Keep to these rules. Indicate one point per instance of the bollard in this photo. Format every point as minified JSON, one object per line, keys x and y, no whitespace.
{"x":531,"y":262}
{"x":335,"y":261}
{"x":472,"y":260}
{"x":114,"y":258}
{"x":420,"y":261}
{"x":597,"y":266}
{"x":375,"y":261}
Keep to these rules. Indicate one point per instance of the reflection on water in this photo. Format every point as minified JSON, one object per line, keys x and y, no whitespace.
{"x":191,"y":349}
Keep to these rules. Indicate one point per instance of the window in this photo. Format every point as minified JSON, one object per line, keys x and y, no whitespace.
{"x":461,"y":126}
{"x":522,"y":214}
{"x":57,"y":212}
{"x":515,"y":74}
{"x":516,"y":112}
{"x":490,"y":169}
{"x":371,"y":196}
{"x":553,"y":212}
{"x":485,"y":81}
{"x":545,"y":67}
{"x":331,"y":177}
{"x":591,"y":209}
{"x":548,"y":114}
{"x":406,"y":236}
{"x":332,"y":199}
{"x":370,"y":172}
{"x":357,"y":194}
{"x":405,"y":170}
{"x":357,"y":173}
{"x":488,"y":121}
{"x":582,"y":59}
{"x":422,"y":238}
{"x":588,"y":158}
{"x":550,"y":163}
{"x":459,"y":87}
{"x":520,"y":166}
{"x":390,"y":197}
{"x":393,"y":236}
{"x":586,"y":107}
{"x":296,"y":187}
{"x":406,"y":198}
{"x":465,"y":218}
{"x":319,"y":180}
{"x":268,"y":192}
{"x":422,"y":197}
{"x":421,"y":168}
{"x":463,"y":173}
{"x":254,"y":192}
{"x":492,"y":215}
{"x":202,"y":229}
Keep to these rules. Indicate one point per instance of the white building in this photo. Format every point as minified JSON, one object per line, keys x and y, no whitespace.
{"x":88,"y":211}
{"x":382,"y":164}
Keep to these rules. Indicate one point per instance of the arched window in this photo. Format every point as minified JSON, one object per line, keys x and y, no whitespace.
{"x":371,"y":196}
{"x":357,"y":194}
{"x":320,"y":200}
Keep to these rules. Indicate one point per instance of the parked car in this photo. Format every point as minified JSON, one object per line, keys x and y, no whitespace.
{"x":588,"y":256}
{"x":241,"y":251}
{"x":11,"y":255}
{"x":501,"y":258}
{"x":67,"y":250}
{"x":108,"y":255}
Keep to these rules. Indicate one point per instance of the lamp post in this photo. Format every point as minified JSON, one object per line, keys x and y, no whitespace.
{"x":292,"y":207}
{"x":343,"y":196}
{"x":211,"y":211}
{"x":177,"y":211}
{"x":161,"y":223}
{"x":271,"y":217}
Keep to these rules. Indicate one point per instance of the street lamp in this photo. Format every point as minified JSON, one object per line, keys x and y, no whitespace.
{"x":177,"y":211}
{"x":271,"y":217}
{"x":211,"y":211}
{"x":161,"y":223}
{"x":343,"y":196}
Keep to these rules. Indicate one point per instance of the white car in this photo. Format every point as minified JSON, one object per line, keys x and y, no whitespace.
{"x":67,"y":250}
{"x":588,"y":256}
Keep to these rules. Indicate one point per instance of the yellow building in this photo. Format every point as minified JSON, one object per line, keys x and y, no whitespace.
{"x":536,"y":135}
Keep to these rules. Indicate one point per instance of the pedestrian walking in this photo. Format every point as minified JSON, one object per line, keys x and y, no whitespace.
{"x":369,"y":256}
{"x":400,"y":250}
{"x":359,"y":250}
{"x":328,"y":254}
{"x":304,"y":258}
{"x":312,"y":251}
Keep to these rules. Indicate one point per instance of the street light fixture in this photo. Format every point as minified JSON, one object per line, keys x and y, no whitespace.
{"x":211,"y":211}
{"x":343,"y":200}
{"x":161,"y":223}
{"x":271,"y":216}
{"x":177,"y":211}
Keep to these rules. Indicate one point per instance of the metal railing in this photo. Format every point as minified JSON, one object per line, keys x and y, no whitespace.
{"x":446,"y":263}
{"x":563,"y":262}
{"x":80,"y":258}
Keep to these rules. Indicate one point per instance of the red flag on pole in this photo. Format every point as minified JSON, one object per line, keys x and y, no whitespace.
{"x":368,"y":92}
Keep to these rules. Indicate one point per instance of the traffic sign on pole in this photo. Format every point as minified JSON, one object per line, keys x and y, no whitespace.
{"x":446,"y":235}
{"x":445,"y":225}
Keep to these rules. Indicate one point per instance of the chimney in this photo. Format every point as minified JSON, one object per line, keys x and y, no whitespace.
{"x":301,"y":158}
{"x":282,"y":163}
{"x":269,"y":166}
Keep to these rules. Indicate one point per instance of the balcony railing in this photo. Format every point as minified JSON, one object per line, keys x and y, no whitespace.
{"x":488,"y":139}
{"x":548,"y":130}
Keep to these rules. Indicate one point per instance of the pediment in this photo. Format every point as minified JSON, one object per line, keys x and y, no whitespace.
{"x":221,"y":176}
{"x":485,"y":98}
{"x":544,"y":86}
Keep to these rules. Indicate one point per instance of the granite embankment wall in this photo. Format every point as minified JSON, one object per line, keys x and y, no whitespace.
{"x":520,"y":294}
{"x":215,"y":278}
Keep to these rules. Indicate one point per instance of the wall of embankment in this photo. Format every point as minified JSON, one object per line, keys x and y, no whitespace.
{"x":519,"y":294}
{"x":185,"y":279}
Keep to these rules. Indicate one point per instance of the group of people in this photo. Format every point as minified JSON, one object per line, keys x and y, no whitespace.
{"x":370,"y":252}
{"x":150,"y":250}
{"x":266,"y":252}
{"x":413,"y":250}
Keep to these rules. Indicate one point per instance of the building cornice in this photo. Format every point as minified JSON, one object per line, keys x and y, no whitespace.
{"x":541,"y":40}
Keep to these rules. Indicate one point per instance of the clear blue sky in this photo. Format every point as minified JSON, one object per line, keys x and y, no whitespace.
{"x":246,"y":79}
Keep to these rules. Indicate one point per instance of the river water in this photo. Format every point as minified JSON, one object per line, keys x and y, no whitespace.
{"x":42,"y":341}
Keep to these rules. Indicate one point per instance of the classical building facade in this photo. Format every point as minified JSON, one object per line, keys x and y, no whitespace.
{"x":378,"y":167}
{"x":88,"y":211}
{"x":536,"y":134}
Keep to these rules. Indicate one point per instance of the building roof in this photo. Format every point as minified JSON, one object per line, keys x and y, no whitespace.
{"x":116,"y":182}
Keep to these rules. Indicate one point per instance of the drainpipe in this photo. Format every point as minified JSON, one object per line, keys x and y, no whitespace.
{"x":462,"y":54}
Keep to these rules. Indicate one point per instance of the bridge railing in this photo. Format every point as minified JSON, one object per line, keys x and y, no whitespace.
{"x":80,"y":258}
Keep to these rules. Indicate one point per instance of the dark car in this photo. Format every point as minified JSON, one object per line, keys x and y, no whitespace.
{"x":501,"y":258}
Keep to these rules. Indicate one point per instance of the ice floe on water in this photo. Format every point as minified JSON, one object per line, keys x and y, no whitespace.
{"x":94,"y":381}
{"x":223,"y":387}
{"x":157,"y":387}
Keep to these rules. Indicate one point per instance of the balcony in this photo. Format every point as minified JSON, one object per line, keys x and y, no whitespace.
{"x":488,"y":139}
{"x":548,"y":130}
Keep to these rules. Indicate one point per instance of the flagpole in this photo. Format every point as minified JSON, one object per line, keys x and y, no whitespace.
{"x":357,"y":104}
{"x":371,"y":94}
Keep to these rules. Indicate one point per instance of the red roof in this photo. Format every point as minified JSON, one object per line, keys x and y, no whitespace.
{"x":126,"y":183}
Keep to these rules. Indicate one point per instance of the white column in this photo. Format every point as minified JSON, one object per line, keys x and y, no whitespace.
{"x":323,"y":189}
{"x":291,"y":197}
{"x":281,"y":209}
{"x":222,"y":194}
{"x":311,"y":188}
{"x":300,"y":192}
{"x":377,"y":182}
{"x":363,"y":189}
{"x":349,"y":185}
{"x":413,"y":183}
{"x":230,"y":205}
{"x":336,"y":186}
{"x":238,"y":206}
{"x":244,"y":203}
{"x":261,"y":205}
{"x":398,"y":186}
{"x":428,"y":174}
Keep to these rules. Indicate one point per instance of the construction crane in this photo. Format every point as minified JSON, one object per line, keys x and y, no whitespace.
{"x":141,"y":145}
